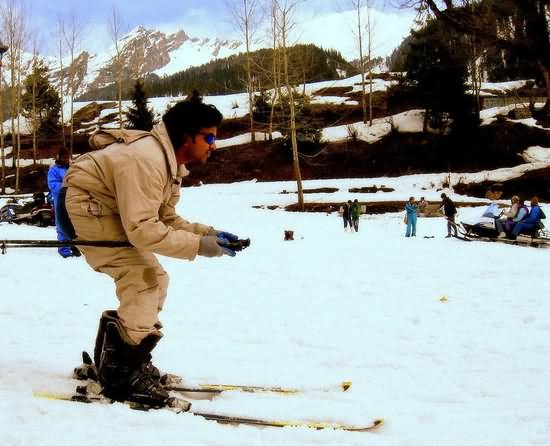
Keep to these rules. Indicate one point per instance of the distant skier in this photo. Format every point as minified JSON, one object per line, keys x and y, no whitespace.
{"x":355,"y":213}
{"x":449,"y":209}
{"x":346,"y":216}
{"x":411,"y":209}
{"x":56,"y":173}
{"x":128,"y":191}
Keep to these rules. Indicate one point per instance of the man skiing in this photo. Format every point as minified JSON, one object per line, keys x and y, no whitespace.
{"x":127,"y":191}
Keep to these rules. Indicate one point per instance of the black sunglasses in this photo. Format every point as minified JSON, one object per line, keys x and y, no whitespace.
{"x":210,"y":138}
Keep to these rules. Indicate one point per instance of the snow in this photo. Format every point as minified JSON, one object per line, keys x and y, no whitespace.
{"x":502,"y":88}
{"x":537,"y":154}
{"x":326,"y":307}
{"x":406,"y":122}
{"x":245,"y":139}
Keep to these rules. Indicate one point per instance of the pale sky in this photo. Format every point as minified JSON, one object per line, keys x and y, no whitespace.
{"x":198,"y":18}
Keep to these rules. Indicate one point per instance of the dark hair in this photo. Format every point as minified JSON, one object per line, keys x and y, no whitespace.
{"x":443,"y":195}
{"x":187,"y":117}
{"x":62,"y":156}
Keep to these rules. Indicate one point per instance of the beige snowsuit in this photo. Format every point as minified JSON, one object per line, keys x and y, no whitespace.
{"x":128,"y":191}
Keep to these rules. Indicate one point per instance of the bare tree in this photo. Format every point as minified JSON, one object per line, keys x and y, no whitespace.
{"x":364,"y":28}
{"x":275,"y":66}
{"x":60,"y":39}
{"x":2,"y":142}
{"x":72,"y":38}
{"x":34,"y":115}
{"x":115,"y":30}
{"x":13,"y":18}
{"x":285,"y":10}
{"x":535,"y":46}
{"x":246,"y":16}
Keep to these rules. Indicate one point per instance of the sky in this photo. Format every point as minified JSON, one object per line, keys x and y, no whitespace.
{"x":210,"y":18}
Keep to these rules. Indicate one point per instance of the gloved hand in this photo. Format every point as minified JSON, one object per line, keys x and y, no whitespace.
{"x":212,"y":246}
{"x":225,"y":235}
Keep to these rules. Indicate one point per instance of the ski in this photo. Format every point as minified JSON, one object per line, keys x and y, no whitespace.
{"x":228,"y":419}
{"x":176,"y":383}
{"x":219,"y":388}
{"x":219,"y":418}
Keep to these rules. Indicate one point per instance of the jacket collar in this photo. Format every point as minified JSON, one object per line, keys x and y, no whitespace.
{"x":161,"y":134}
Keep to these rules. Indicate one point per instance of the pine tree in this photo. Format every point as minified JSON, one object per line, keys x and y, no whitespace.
{"x":47,"y":104}
{"x":437,"y":65}
{"x":140,"y":116}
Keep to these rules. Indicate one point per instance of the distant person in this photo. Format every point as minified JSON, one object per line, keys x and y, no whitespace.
{"x":355,"y":213}
{"x":422,"y":205}
{"x":507,"y":215}
{"x":449,"y":209}
{"x":517,"y":212}
{"x":411,"y":208}
{"x":530,"y":222}
{"x":56,"y":173}
{"x":346,"y":216}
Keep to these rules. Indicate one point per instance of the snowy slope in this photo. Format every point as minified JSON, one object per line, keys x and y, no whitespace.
{"x":328,"y":306}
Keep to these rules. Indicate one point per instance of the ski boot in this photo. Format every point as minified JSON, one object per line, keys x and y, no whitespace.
{"x":125,"y":371}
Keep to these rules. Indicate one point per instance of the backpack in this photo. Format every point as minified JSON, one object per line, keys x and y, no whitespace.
{"x":105,"y":137}
{"x":542,"y":215}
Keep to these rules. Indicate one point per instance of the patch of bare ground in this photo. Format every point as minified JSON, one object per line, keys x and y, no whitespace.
{"x":372,"y":207}
{"x":319,"y":190}
{"x":333,"y":91}
{"x":370,"y":189}
{"x":535,"y":182}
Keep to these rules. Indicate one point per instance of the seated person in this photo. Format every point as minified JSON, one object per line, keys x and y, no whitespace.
{"x":517,"y":212}
{"x":531,"y":222}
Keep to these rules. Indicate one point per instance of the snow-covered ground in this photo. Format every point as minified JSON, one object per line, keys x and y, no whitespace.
{"x":328,"y":306}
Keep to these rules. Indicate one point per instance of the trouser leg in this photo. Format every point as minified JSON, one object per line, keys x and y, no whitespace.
{"x":141,"y":283}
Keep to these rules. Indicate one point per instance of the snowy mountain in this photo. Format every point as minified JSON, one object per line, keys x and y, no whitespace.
{"x":145,"y":50}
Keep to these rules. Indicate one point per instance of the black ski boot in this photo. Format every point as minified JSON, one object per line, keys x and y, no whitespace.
{"x":125,"y":370}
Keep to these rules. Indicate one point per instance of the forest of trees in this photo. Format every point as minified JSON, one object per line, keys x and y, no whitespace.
{"x":227,"y":76}
{"x":457,"y":45}
{"x":469,"y":42}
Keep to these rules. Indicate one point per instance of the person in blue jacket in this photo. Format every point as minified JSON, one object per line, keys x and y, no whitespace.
{"x":411,"y":208}
{"x":56,"y":173}
{"x":530,"y":222}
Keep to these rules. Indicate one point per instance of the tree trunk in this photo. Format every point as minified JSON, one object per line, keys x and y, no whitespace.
{"x":2,"y":130}
{"x":34,"y":122}
{"x":61,"y":92}
{"x":18,"y":108}
{"x":294,"y":141}
{"x":361,"y":64}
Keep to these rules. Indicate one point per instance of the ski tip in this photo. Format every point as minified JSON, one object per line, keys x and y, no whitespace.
{"x":86,"y":358}
{"x":345,"y":385}
{"x":48,"y":395}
